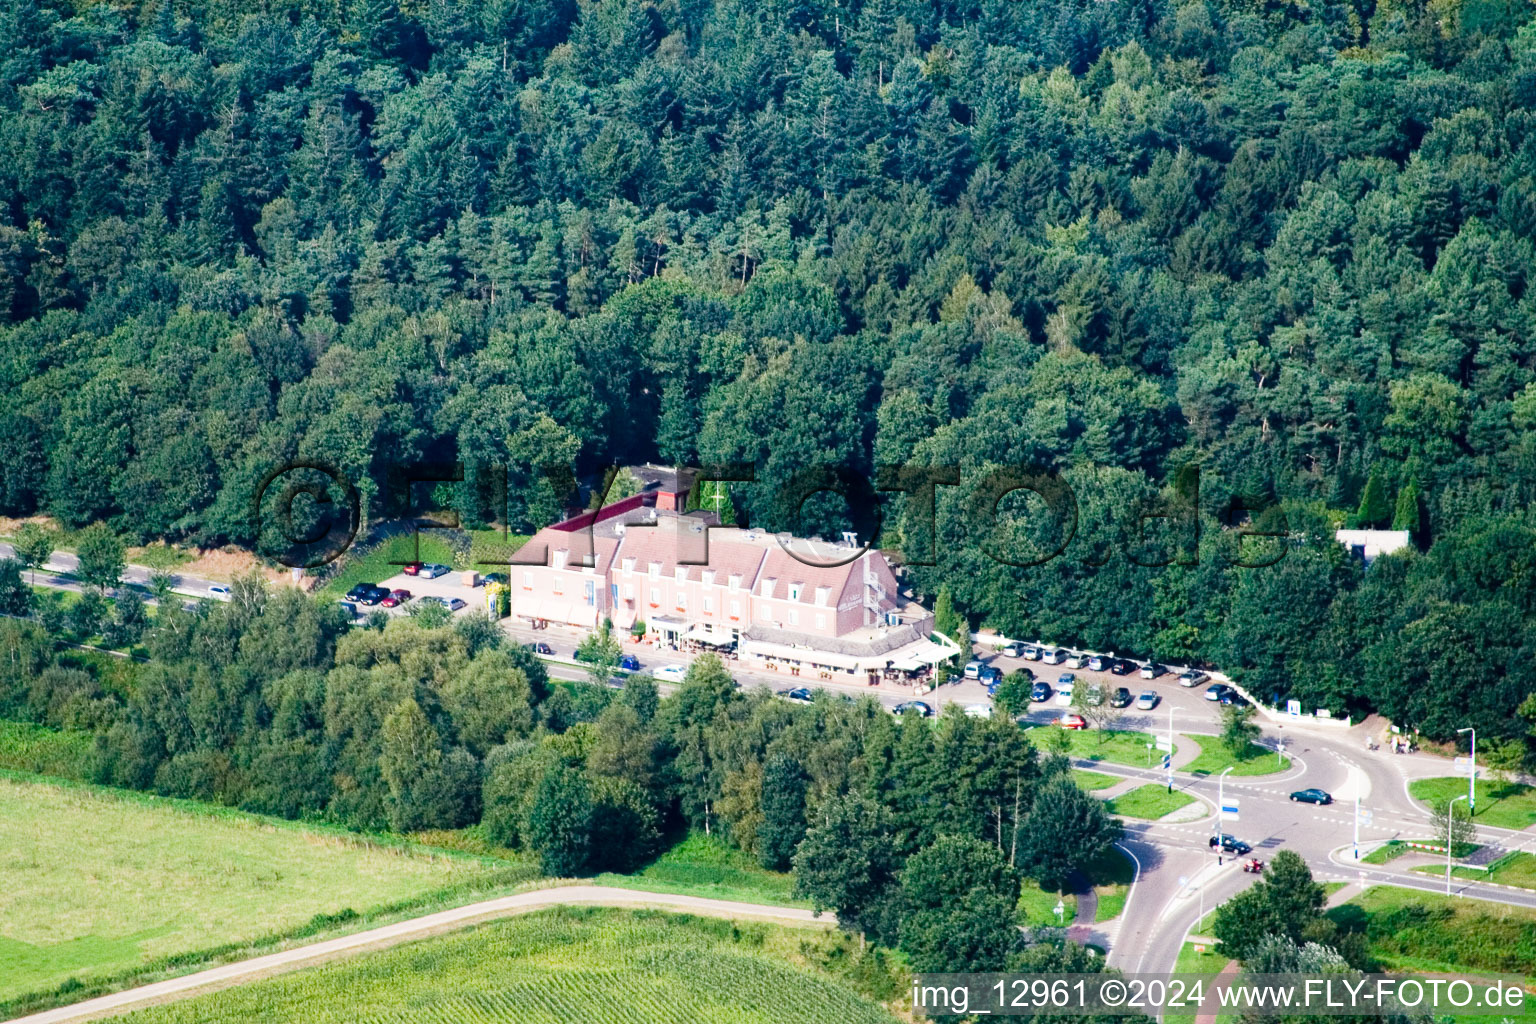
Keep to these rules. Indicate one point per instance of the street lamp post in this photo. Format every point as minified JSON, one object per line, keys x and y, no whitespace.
{"x":1357,"y":825}
{"x":1472,"y":775}
{"x":1450,"y":840}
{"x":1220,"y":803}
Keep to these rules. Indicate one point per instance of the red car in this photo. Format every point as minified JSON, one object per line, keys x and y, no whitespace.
{"x":411,"y":568}
{"x":396,"y":597}
{"x":1070,"y":721}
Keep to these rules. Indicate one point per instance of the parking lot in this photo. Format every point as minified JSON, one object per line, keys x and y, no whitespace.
{"x":1189,"y":709}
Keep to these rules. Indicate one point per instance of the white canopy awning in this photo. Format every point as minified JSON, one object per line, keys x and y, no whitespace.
{"x":802,"y":655}
{"x":526,"y":608}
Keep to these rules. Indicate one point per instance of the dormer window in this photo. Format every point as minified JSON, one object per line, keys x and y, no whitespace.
{"x":735,"y":580}
{"x":708,"y":576}
{"x":767,"y":588}
{"x":560,"y":557}
{"x":629,"y":565}
{"x":655,"y":570}
{"x":822,"y":593}
{"x":680,"y":574}
{"x":794,"y":591}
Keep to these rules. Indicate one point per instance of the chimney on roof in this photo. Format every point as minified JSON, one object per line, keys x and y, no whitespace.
{"x":672,"y":491}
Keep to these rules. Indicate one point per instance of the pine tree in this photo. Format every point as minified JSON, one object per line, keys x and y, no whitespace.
{"x":1374,"y":511}
{"x":1407,"y":516}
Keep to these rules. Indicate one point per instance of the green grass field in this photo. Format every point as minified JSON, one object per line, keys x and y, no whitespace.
{"x":1215,"y":757}
{"x":702,"y":865}
{"x":1516,"y":868}
{"x":1128,"y":748}
{"x":1501,"y":804}
{"x":98,"y":885}
{"x":1148,"y":802}
{"x":1413,"y":930}
{"x":585,"y":964}
{"x":1093,"y":780}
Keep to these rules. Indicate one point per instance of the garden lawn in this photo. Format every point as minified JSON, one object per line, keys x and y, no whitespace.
{"x":98,"y":885}
{"x":1149,"y":802}
{"x":386,"y":559}
{"x":587,"y":964}
{"x":1091,"y":781}
{"x":1127,"y":748}
{"x":1215,"y":757}
{"x":702,"y":865}
{"x":1500,"y":804}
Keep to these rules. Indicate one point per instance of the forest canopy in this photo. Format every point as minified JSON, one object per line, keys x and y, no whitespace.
{"x":1286,"y":243}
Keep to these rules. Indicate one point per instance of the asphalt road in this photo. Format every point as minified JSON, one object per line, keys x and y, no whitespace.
{"x":64,"y":567}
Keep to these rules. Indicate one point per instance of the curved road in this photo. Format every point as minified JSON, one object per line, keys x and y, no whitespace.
{"x":407,"y":931}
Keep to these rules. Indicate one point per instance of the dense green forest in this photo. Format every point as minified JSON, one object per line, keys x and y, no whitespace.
{"x":1287,"y":243}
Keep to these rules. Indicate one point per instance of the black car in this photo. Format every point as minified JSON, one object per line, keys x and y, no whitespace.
{"x":496,"y":577}
{"x":373,"y":596}
{"x":1321,"y":797}
{"x":913,"y":705}
{"x":1230,"y":844}
{"x":1040,"y":692}
{"x":1121,"y":698}
{"x":540,"y":648}
{"x":348,"y":607}
{"x":1121,"y":667}
{"x":357,"y":592}
{"x":1234,"y":699}
{"x":798,"y":695}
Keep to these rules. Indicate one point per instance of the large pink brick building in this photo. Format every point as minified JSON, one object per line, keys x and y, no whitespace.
{"x":779,"y":601}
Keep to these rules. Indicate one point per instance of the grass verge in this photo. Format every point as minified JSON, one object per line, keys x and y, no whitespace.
{"x":1215,"y":757}
{"x":1127,"y":748}
{"x":1091,"y":781}
{"x":1500,"y":804}
{"x":1414,"y":930}
{"x":1148,"y":802}
{"x":702,"y":865}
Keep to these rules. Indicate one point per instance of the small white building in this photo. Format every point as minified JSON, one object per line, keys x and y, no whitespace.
{"x":1367,"y":544}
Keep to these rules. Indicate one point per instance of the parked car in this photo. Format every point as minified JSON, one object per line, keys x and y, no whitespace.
{"x":1321,"y":797}
{"x":219,"y":592}
{"x":1147,"y":701}
{"x":1230,"y":844}
{"x":1077,"y":661}
{"x":372,"y":596}
{"x":1013,"y":650}
{"x":1151,"y":670}
{"x":1216,"y":691}
{"x":1031,"y":653}
{"x":799,"y":695}
{"x":1192,"y":678}
{"x":411,"y":568}
{"x":973,"y":669}
{"x":453,"y":604}
{"x":1094,"y":695}
{"x":432,"y":570}
{"x":1122,"y":667}
{"x":395,"y":598}
{"x":1098,"y":663}
{"x":357,"y":592}
{"x":540,"y":648}
{"x":1121,"y":698}
{"x":991,"y":675}
{"x":495,"y":577}
{"x":1066,"y":679}
{"x":669,"y":673}
{"x":913,"y":705}
{"x":1071,"y":721}
{"x":1040,"y":692}
{"x":1234,"y":699}
{"x":1064,"y":694}
{"x":993,"y":685}
{"x":348,"y":607}
{"x":629,"y":663}
{"x":1053,"y":656}
{"x":978,"y":710}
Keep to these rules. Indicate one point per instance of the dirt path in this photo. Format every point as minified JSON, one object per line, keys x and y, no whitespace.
{"x":406,"y":931}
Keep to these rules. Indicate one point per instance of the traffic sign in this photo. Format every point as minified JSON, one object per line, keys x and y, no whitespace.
{"x":1165,"y":743}
{"x":1365,"y":817}
{"x":1229,"y":807}
{"x":1167,"y":761}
